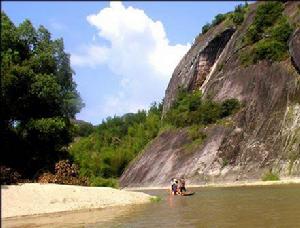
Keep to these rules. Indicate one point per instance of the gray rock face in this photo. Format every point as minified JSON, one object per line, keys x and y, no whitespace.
{"x":192,"y":70}
{"x":295,"y":50}
{"x":263,"y":135}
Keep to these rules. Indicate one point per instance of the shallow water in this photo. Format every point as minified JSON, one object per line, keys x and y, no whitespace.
{"x":253,"y":206}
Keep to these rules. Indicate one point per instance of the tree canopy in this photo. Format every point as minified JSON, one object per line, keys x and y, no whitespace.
{"x":38,"y":97}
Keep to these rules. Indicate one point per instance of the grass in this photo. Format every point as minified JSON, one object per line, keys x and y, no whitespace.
{"x":225,"y":162}
{"x":155,"y":199}
{"x":270,"y":176}
{"x":166,"y":128}
{"x":197,"y":136}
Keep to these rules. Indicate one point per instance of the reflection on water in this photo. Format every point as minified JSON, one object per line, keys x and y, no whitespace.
{"x":262,"y":206}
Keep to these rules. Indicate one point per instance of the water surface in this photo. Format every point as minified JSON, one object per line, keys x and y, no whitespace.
{"x":251,"y":206}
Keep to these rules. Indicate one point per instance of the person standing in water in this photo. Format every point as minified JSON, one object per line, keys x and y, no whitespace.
{"x":174,"y":186}
{"x":182,"y":185}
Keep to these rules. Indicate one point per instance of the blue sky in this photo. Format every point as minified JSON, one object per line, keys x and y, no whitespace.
{"x":123,"y":53}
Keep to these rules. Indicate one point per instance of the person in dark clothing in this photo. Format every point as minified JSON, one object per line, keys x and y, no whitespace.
{"x":182,"y":185}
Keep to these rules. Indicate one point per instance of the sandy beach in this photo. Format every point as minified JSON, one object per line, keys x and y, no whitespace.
{"x":34,"y":198}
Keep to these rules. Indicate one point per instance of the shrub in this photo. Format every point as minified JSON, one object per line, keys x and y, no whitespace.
{"x":239,"y":14}
{"x":205,"y":28}
{"x":282,"y":30}
{"x":272,"y":50}
{"x":268,"y":35}
{"x":229,"y":106}
{"x":266,"y":16}
{"x":190,"y":109}
{"x":237,"y":17}
{"x":218,"y":19}
{"x":196,"y":134}
{"x":270,"y":176}
{"x":102,"y":182}
{"x":225,"y":162}
{"x":155,"y":199}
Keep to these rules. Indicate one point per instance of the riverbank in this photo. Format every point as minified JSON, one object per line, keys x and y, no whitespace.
{"x":34,"y":198}
{"x":222,"y":185}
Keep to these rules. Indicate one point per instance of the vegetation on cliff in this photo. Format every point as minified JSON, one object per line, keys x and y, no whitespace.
{"x":190,"y":109}
{"x":38,"y":98}
{"x":267,"y":37}
{"x":235,"y":18}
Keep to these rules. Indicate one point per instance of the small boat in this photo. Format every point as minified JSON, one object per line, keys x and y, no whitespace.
{"x":187,"y":193}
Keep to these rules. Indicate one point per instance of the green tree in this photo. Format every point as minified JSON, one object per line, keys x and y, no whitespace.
{"x":106,"y":152}
{"x":38,"y":97}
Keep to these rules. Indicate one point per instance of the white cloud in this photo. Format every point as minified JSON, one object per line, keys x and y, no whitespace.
{"x":139,"y":52}
{"x":93,"y":55}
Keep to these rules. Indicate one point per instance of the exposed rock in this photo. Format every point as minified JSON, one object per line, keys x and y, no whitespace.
{"x":265,"y":133}
{"x":295,"y":50}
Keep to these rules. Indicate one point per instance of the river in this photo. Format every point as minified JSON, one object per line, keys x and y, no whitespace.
{"x":252,"y":206}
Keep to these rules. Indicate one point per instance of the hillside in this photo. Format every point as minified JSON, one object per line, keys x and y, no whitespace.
{"x":255,"y":60}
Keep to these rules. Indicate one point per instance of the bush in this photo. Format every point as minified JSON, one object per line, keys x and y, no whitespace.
{"x":196,"y":134}
{"x":218,"y":19}
{"x":268,"y":35}
{"x":239,"y":14}
{"x":270,"y":176}
{"x":266,"y":15}
{"x":205,"y":28}
{"x":155,"y":199}
{"x":190,"y":109}
{"x":237,"y":17}
{"x":282,"y":30}
{"x":229,"y":106}
{"x":102,"y":182}
{"x":82,"y":128}
{"x":272,"y":50}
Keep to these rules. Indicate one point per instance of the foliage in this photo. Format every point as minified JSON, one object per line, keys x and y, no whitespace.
{"x":229,"y":106}
{"x":205,"y":28}
{"x":191,"y":108}
{"x":270,"y":176}
{"x":114,"y":143}
{"x":268,"y":35}
{"x":196,"y":134}
{"x":155,"y":199}
{"x":38,"y":97}
{"x":237,"y":17}
{"x":225,"y":162}
{"x":217,"y":20}
{"x":82,"y":128}
{"x":102,"y":182}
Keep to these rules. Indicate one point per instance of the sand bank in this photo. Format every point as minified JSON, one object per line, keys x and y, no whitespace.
{"x":34,"y":198}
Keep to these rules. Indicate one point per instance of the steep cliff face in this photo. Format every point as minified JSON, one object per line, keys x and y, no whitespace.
{"x":263,"y":135}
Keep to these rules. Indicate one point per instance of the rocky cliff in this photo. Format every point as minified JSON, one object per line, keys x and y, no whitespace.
{"x":263,"y":135}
